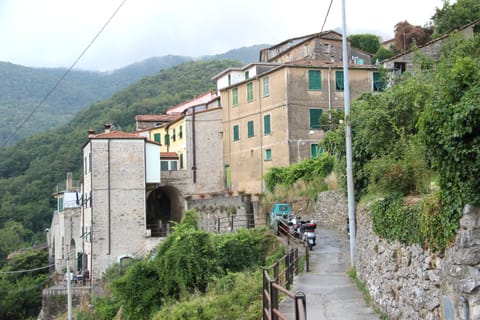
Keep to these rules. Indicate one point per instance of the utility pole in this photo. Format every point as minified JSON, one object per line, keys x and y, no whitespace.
{"x":69,"y":288}
{"x":348,"y":140}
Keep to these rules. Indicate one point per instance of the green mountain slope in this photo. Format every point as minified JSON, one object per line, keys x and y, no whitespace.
{"x":23,"y":88}
{"x":30,"y":169}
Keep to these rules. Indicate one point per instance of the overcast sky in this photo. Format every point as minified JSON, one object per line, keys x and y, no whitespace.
{"x":53,"y":33}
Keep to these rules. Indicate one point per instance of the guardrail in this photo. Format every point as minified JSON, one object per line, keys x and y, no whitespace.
{"x":279,"y":283}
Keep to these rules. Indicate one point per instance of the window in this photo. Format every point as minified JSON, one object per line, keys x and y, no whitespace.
{"x":164,"y":165}
{"x":268,"y":154}
{"x":326,"y":47}
{"x":168,"y":165}
{"x":266,"y":87}
{"x":235,"y":96}
{"x":85,"y":165}
{"x":167,"y":139}
{"x":250,"y":92}
{"x":181,"y":160}
{"x":247,"y":75}
{"x":180,"y":133}
{"x":156,"y":137}
{"x":251,"y":131}
{"x":266,"y":125}
{"x":89,"y":162}
{"x":339,"y":80}
{"x":236,"y":133}
{"x":314,"y":80}
{"x":229,"y":79}
{"x":315,"y":150}
{"x":315,"y":115}
{"x":378,"y":82}
{"x":174,"y":136}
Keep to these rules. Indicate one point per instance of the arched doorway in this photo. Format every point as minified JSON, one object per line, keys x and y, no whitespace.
{"x":163,"y":206}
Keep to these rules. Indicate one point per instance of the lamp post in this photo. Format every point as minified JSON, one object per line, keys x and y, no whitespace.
{"x":348,"y":140}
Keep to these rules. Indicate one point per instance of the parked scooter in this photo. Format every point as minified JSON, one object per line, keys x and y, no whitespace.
{"x":309,"y":235}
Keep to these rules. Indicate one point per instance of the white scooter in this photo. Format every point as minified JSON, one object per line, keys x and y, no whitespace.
{"x":309,"y":235}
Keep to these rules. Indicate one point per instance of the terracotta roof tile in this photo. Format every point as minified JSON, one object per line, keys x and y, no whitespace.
{"x":171,"y":155}
{"x":117,"y":135}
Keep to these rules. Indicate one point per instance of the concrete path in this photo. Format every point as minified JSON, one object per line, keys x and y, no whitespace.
{"x":331,"y":294}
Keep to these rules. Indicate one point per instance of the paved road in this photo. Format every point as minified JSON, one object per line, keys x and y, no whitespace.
{"x":331,"y":293}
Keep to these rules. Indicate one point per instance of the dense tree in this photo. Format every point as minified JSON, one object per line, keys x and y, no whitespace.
{"x":366,"y":42}
{"x":382,"y":54}
{"x":408,"y":36}
{"x":453,"y":16}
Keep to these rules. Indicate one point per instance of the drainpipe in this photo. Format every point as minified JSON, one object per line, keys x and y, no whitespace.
{"x":194,"y":154}
{"x":329,"y":97}
{"x":261,"y":132}
{"x":109,"y":198}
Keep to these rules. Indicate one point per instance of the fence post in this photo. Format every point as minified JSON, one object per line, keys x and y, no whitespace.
{"x":287,"y":270}
{"x":218,"y":224}
{"x":274,"y":300}
{"x":296,"y":261}
{"x":300,"y":311}
{"x":266,"y":287}
{"x":307,"y":257}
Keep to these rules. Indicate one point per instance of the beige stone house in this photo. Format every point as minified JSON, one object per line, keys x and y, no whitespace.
{"x":272,"y":110}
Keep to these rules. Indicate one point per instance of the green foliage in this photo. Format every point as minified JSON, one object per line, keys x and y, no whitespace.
{"x":332,"y":119}
{"x":306,"y":170}
{"x":136,"y":291}
{"x":392,"y":220}
{"x":105,"y":308}
{"x":366,"y":42}
{"x":234,"y":296}
{"x":387,"y":175}
{"x":246,"y":248}
{"x":382,"y":54}
{"x":455,"y":15}
{"x":450,"y":127}
{"x":21,"y":292}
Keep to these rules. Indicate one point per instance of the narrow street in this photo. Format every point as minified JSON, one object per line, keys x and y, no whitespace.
{"x":331,"y":294}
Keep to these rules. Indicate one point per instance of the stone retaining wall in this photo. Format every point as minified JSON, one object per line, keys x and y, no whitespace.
{"x":408,"y":282}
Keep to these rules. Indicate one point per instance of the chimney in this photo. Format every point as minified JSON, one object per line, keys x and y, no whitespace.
{"x":91,"y":133}
{"x":107,"y":127}
{"x":69,"y":181}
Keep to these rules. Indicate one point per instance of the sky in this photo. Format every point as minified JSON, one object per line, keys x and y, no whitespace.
{"x":54,"y":33}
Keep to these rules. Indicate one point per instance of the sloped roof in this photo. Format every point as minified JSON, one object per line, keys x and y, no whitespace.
{"x":158,"y":117}
{"x":168,"y":155}
{"x":117,"y":135}
{"x":200,"y":100}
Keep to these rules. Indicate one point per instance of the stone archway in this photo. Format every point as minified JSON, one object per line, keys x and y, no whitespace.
{"x":163,"y":206}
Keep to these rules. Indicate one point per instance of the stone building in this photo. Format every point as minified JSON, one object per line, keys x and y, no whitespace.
{"x":64,"y":234}
{"x":121,"y":172}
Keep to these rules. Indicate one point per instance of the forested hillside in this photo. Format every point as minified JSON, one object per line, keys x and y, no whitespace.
{"x":30,"y":169}
{"x":23,"y":88}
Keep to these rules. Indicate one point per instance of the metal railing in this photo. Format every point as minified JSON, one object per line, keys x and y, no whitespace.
{"x":279,"y":283}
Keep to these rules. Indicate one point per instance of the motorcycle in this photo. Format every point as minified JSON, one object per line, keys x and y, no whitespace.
{"x":309,"y":235}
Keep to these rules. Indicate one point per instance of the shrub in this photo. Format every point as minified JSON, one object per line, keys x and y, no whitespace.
{"x":393,"y":220}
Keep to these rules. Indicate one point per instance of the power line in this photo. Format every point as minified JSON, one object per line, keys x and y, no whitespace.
{"x":63,"y":76}
{"x":326,"y":16}
{"x":26,"y":270}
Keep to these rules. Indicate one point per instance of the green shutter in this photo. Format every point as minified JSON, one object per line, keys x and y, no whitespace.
{"x":314,"y":80}
{"x":266,"y":87}
{"x":250,"y":92}
{"x":266,"y":124}
{"x":339,"y":80}
{"x":314,"y":150}
{"x":251,"y":131}
{"x":247,"y":75}
{"x":268,"y":154}
{"x":235,"y":96}
{"x":236,"y":133}
{"x":167,"y":139}
{"x":156,"y":137}
{"x":315,"y":115}
{"x":228,"y":182}
{"x":180,"y":133}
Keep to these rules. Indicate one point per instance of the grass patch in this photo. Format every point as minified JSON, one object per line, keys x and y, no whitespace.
{"x":362,"y":286}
